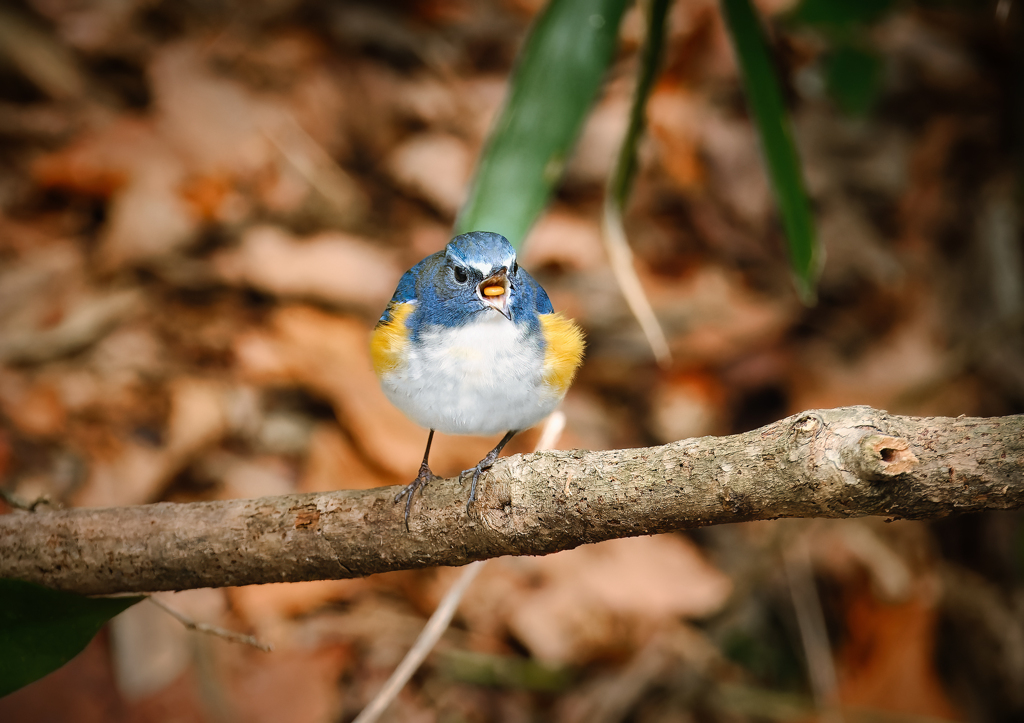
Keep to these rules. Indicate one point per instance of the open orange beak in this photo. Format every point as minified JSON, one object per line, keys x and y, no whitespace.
{"x":493,"y":292}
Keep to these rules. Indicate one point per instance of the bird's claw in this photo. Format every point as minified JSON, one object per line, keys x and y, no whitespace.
{"x":477,"y":471}
{"x":409,"y":490}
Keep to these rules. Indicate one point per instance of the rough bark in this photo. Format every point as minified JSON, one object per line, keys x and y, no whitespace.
{"x":827,"y":463}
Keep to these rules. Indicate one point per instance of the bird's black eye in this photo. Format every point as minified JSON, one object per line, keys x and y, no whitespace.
{"x":515,"y":268}
{"x":460,"y":275}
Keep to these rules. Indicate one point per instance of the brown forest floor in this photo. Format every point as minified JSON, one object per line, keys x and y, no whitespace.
{"x":205,"y":206}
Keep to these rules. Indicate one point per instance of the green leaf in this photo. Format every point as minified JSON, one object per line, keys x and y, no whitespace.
{"x":557,"y":76}
{"x":765,"y":98}
{"x":41,"y":629}
{"x":853,"y":77}
{"x":621,"y":181}
{"x":839,"y":15}
{"x":650,"y":61}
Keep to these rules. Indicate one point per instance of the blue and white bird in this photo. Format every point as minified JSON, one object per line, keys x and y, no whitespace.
{"x":470,"y":344}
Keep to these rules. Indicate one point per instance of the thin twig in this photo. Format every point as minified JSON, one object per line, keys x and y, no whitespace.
{"x":551,"y":432}
{"x":813,"y":633}
{"x":621,"y":180}
{"x":620,"y":257}
{"x":442,"y":616}
{"x":212,"y":629}
{"x":316,"y":166}
{"x":433,"y":631}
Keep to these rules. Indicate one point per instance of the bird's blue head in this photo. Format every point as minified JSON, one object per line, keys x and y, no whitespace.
{"x":477,"y":273}
{"x":484,"y":251}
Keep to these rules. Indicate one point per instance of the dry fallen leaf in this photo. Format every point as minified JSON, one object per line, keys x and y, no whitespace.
{"x":436,"y":167}
{"x":99,"y":162}
{"x":246,"y":478}
{"x":909,"y":358}
{"x":213,"y":122}
{"x":675,"y":117}
{"x":134,"y":473}
{"x":565,"y":239}
{"x":331,"y":356}
{"x":149,"y":648}
{"x":131,"y":163}
{"x":90,"y":317}
{"x":298,"y":685}
{"x":39,"y":284}
{"x":148,"y":218}
{"x":571,"y":606}
{"x":688,"y":405}
{"x":887,"y":661}
{"x":35,"y":409}
{"x":334,"y":464}
{"x":198,"y":417}
{"x":333,"y":267}
{"x":135,"y":476}
{"x":595,"y":154}
{"x":266,"y":607}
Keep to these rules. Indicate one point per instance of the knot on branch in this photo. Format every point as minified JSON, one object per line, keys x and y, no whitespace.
{"x":880,"y":457}
{"x":853,"y":448}
{"x":808,"y":425}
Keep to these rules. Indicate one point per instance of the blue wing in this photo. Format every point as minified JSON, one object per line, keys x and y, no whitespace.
{"x":405,"y":292}
{"x":532,"y":295}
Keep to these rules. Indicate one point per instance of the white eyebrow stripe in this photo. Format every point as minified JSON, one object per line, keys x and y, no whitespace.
{"x":451,"y":255}
{"x":483,"y":268}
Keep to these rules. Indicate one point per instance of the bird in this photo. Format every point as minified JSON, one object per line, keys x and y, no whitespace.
{"x":470,"y":344}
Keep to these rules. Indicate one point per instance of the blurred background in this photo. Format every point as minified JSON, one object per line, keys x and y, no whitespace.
{"x":204,"y":208}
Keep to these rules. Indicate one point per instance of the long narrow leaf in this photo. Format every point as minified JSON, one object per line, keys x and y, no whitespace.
{"x":558,"y":74}
{"x":777,"y":141}
{"x":650,"y":63}
{"x":620,"y":182}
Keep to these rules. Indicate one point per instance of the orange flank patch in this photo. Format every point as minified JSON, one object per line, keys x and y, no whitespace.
{"x":564,"y":350}
{"x":389,"y":340}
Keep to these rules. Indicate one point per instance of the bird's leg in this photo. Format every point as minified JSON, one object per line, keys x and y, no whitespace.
{"x":422,"y":478}
{"x":485,"y":464}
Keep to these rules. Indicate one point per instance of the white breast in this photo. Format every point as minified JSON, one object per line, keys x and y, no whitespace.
{"x":484,"y":378}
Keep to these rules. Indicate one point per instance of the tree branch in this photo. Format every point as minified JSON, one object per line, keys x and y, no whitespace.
{"x":843,"y":462}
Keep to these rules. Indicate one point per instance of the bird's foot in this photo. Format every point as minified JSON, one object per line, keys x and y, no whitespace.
{"x":485,"y":464}
{"x":409,"y":490}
